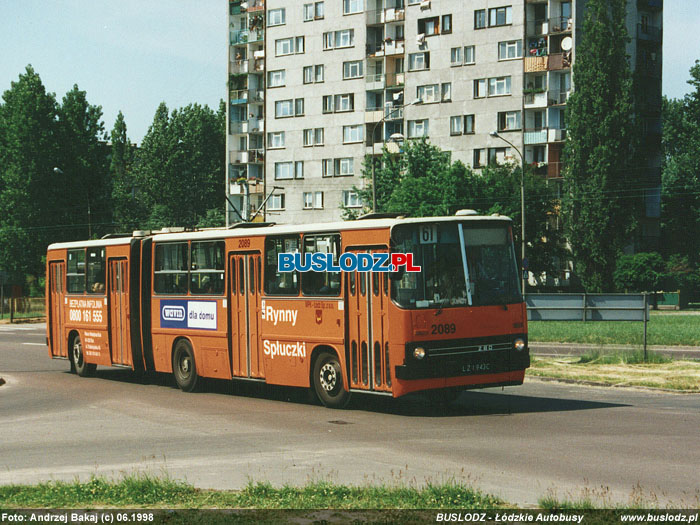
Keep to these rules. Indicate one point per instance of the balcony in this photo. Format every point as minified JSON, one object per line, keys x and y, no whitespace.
{"x":558,"y":61}
{"x":537,"y":27}
{"x":560,"y":24}
{"x":247,"y":96}
{"x":535,"y":64}
{"x":556,"y":135}
{"x":650,"y":5}
{"x":252,"y":156}
{"x":535,"y":136}
{"x":255,"y":6}
{"x":535,"y":100}
{"x":557,"y":98}
{"x":375,"y":82}
{"x":395,"y":79}
{"x":385,"y":16}
{"x":648,"y":33}
{"x":649,"y":68}
{"x":247,"y":66}
{"x":245,"y":36}
{"x":373,"y":115}
{"x":386,"y":48}
{"x":393,"y":113}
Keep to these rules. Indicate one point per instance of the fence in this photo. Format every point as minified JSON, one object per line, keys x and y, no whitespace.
{"x":589,"y":307}
{"x":16,"y":308}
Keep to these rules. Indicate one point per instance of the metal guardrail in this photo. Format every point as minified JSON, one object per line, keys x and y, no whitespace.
{"x":589,"y":307}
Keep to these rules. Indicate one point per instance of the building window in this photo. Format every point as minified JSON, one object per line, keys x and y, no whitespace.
{"x":313,"y":137}
{"x":275,"y":139}
{"x":327,"y":103}
{"x":500,"y":16}
{"x":499,"y":86}
{"x":277,"y":78}
{"x":337,"y":39}
{"x":298,"y":107}
{"x":456,"y":125}
{"x":353,"y":134}
{"x":276,"y":202}
{"x":480,"y":19}
{"x":429,"y":93}
{"x":510,"y":50}
{"x":284,"y":108}
{"x":344,"y":102}
{"x":353,"y":69}
{"x":313,"y":200}
{"x":446,"y":92}
{"x":429,"y":26}
{"x":284,"y":170}
{"x":308,"y":74}
{"x":313,"y":11}
{"x":299,"y":169}
{"x":276,"y":17}
{"x":446,"y":24}
{"x":351,"y":199}
{"x":344,"y":167}
{"x":284,"y":46}
{"x":480,"y":88}
{"x":468,"y":124}
{"x":351,"y":7}
{"x":469,"y":55}
{"x":299,"y":44}
{"x":509,"y":120}
{"x":479,"y":160}
{"x":319,"y":73}
{"x":456,"y":56}
{"x":417,"y":128}
{"x":498,"y":155}
{"x":418,"y":61}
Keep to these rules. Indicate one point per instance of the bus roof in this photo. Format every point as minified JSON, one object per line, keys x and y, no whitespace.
{"x":282,"y":229}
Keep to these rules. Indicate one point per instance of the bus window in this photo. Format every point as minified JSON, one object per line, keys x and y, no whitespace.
{"x":321,"y":283}
{"x":251,"y":271}
{"x":207,"y":268}
{"x":96,"y":270}
{"x":241,"y":276}
{"x":352,"y":283}
{"x":170,"y":268}
{"x":75,"y":273}
{"x":280,"y":283}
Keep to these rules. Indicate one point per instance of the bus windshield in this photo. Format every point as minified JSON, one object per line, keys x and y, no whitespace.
{"x":489,"y":276}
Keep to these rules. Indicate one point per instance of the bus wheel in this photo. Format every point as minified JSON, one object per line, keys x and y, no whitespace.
{"x":328,"y":381}
{"x":82,"y":368}
{"x":184,"y":369}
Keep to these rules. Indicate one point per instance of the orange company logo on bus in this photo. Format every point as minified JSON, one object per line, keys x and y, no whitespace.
{"x":274,"y":315}
{"x":275,"y":348}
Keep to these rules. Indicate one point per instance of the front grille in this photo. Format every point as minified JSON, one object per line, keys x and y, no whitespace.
{"x":459,"y":349}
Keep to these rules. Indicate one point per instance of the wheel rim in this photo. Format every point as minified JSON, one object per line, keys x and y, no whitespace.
{"x":77,"y":352}
{"x":185,"y":365}
{"x":329,"y":377}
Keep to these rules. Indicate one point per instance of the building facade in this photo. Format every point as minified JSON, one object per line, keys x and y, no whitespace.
{"x":316,"y":86}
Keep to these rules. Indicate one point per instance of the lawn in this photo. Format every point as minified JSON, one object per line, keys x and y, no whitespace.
{"x":662,"y":329}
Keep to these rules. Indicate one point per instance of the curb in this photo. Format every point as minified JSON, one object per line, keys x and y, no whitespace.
{"x":583,"y":382}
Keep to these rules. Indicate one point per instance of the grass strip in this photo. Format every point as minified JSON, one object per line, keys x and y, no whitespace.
{"x":135,"y":491}
{"x":662,"y":329}
{"x":622,"y":369}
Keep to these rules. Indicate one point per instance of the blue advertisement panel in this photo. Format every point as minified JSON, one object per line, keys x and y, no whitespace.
{"x":185,"y":314}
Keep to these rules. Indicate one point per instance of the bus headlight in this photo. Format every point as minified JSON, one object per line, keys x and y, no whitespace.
{"x":419,"y":353}
{"x":519,"y":344}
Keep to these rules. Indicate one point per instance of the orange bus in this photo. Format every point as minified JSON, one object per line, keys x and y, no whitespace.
{"x":213,"y":303}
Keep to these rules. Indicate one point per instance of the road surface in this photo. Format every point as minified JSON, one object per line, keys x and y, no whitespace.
{"x":520,"y":443}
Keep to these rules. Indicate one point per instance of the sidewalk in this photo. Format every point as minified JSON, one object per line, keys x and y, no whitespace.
{"x":563,"y":349}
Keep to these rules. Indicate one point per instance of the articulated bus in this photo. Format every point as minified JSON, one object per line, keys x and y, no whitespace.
{"x":214,"y":303}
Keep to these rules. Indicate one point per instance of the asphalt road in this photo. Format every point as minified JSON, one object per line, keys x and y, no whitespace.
{"x":519,"y":443}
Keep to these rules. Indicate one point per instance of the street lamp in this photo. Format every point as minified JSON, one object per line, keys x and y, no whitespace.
{"x":374,"y":129}
{"x":59,"y":171}
{"x":522,"y":206}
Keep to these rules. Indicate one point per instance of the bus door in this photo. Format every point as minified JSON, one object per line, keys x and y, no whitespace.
{"x":57,"y":271}
{"x":119,"y":311}
{"x":244,"y":315}
{"x":368,"y":330}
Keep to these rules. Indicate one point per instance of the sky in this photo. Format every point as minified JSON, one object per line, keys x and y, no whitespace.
{"x":132,"y":55}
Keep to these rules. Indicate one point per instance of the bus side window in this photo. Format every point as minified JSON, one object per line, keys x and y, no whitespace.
{"x":321,"y":283}
{"x":241,"y":276}
{"x":280,"y":283}
{"x":96,"y":270}
{"x":75,"y":274}
{"x":207,"y":268}
{"x":170,"y":268}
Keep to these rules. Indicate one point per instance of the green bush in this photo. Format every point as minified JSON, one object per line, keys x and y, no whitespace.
{"x":641,"y":272}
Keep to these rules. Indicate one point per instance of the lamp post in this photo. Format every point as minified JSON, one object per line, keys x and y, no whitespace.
{"x":59,"y":171}
{"x":374,"y":129}
{"x":522,"y":207}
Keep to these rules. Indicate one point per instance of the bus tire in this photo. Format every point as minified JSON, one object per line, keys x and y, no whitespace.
{"x":328,"y":381}
{"x":77,"y":359}
{"x":184,"y":368}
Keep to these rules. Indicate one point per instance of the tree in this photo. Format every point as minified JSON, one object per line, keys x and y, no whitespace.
{"x":599,"y":200}
{"x":30,"y":195}
{"x":180,"y":169}
{"x":82,"y":159}
{"x":641,"y":272}
{"x":680,"y":186}
{"x":128,"y":213}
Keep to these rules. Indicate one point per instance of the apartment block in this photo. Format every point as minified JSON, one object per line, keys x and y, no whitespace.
{"x":315,"y":87}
